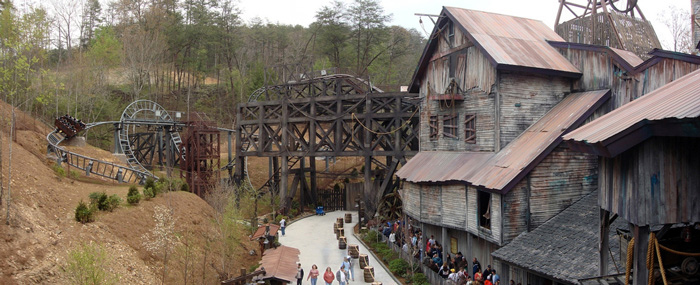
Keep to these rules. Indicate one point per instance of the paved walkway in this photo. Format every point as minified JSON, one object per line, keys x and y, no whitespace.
{"x":314,"y":238}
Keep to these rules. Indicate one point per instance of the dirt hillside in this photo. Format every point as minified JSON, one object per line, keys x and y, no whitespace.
{"x":42,"y":230}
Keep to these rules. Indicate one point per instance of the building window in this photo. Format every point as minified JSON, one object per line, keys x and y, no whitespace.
{"x":433,"y":124}
{"x":449,"y":126}
{"x":470,"y":128}
{"x":484,"y":209}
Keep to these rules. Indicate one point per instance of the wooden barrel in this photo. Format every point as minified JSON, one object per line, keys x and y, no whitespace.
{"x":364,"y":261}
{"x":341,"y":233}
{"x":354,"y":251}
{"x":369,"y":274}
{"x":348,"y":218}
{"x":342,"y":243}
{"x":340,"y":222}
{"x":335,"y":228}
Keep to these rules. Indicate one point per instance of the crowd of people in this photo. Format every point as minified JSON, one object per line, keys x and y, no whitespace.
{"x":454,"y":269}
{"x":344,"y":275}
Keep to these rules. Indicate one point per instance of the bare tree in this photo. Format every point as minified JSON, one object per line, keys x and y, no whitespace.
{"x":162,"y":238}
{"x":678,"y":22}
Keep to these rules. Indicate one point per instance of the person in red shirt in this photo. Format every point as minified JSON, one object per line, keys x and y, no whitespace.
{"x":328,"y":276}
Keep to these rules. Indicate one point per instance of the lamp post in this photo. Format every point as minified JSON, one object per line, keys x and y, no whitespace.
{"x":358,"y":204}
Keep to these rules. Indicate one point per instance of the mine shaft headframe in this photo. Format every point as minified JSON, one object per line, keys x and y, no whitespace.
{"x":615,"y":23}
{"x":585,"y":8}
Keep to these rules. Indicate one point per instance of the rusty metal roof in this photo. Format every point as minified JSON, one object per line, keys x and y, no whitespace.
{"x":280,"y":263}
{"x":652,"y":114}
{"x":628,"y":56}
{"x":501,"y":171}
{"x":509,"y":42}
{"x":513,"y":41}
{"x":440,"y":166}
{"x":261,"y":231}
{"x":625,"y":59}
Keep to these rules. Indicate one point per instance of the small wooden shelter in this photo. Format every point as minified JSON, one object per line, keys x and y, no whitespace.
{"x":649,"y":168}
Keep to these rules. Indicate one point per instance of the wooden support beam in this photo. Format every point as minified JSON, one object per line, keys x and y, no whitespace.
{"x":641,"y":242}
{"x":604,"y":238}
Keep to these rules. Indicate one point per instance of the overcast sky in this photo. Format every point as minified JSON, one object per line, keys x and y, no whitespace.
{"x":302,"y":11}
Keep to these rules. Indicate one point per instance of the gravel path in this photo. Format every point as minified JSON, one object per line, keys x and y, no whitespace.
{"x":314,"y":238}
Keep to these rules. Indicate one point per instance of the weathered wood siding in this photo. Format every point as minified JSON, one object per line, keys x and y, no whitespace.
{"x":431,"y":204}
{"x":476,"y":78}
{"x":475,"y":102}
{"x":525,"y":99}
{"x":492,"y":235}
{"x":560,"y":180}
{"x":410,"y":196}
{"x":454,"y":205}
{"x":515,"y":211}
{"x":597,"y":69}
{"x":655,"y":182}
{"x":601,"y":71}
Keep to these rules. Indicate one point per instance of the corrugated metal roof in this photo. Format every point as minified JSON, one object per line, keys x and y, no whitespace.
{"x":679,"y":99}
{"x":510,"y":43}
{"x":628,"y":56}
{"x":440,"y":166}
{"x":501,"y":171}
{"x":280,"y":263}
{"x":520,"y":156}
{"x":513,"y":41}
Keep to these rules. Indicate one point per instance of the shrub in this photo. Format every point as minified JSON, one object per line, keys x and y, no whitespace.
{"x":113,"y":202}
{"x":148,"y":193}
{"x":372,"y":236}
{"x":185,"y":187}
{"x":398,"y":266}
{"x":99,"y":200}
{"x":87,"y":264}
{"x":74,"y":174}
{"x":133,"y":197}
{"x":150,"y":183}
{"x":161,"y":187}
{"x":83,"y":213}
{"x":60,"y":172}
{"x":419,"y":279}
{"x":278,"y":218}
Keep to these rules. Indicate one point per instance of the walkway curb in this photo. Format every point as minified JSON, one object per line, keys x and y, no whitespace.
{"x":379,"y":260}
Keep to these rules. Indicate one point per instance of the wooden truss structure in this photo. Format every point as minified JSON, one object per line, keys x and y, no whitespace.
{"x":613,"y":23}
{"x":200,"y":162}
{"x":332,"y":115}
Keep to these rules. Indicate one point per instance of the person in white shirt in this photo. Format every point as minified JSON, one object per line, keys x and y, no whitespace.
{"x":340,"y":276}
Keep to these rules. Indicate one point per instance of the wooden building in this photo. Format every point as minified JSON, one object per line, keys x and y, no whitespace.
{"x":649,"y":169}
{"x":499,"y":92}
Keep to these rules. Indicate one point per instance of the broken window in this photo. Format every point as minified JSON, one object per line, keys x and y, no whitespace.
{"x":449,"y":126}
{"x":484,"y":209}
{"x":433,"y":124}
{"x":470,"y":128}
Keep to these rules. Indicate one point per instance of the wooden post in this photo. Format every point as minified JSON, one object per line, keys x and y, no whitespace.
{"x":238,"y":174}
{"x":604,"y":231}
{"x":284,"y":173}
{"x":641,"y":242}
